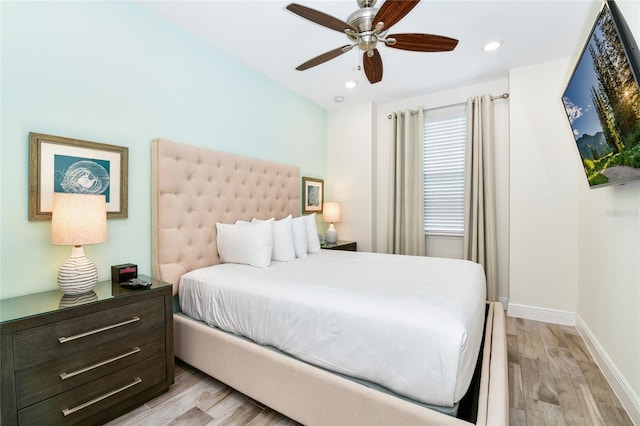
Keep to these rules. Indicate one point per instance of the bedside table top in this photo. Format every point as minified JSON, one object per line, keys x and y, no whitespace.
{"x":339,"y":244}
{"x":48,"y":301}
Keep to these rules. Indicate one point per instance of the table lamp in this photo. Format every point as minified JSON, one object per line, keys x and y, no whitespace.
{"x":331,"y":214}
{"x":78,"y":219}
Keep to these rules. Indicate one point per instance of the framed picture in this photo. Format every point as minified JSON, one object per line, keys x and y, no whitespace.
{"x":312,"y":195}
{"x":602,"y":102}
{"x":58,"y":164}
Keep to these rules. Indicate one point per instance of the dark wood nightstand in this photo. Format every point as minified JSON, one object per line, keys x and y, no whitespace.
{"x":87,"y":358}
{"x":341,"y":245}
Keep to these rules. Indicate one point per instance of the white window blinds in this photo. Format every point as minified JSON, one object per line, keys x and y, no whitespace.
{"x":443,"y":170}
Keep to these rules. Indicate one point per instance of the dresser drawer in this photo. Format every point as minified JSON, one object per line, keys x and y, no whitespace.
{"x":59,"y":375}
{"x":87,"y":331}
{"x":79,"y":404}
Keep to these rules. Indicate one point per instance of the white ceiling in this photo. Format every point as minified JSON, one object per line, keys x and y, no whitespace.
{"x":267,"y":37}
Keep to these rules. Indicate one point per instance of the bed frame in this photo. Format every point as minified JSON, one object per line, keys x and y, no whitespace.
{"x":192,"y":189}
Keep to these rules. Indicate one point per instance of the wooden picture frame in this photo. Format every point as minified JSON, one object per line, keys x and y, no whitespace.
{"x":312,"y":195}
{"x":59,"y":164}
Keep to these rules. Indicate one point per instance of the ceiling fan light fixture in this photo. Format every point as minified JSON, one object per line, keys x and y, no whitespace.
{"x":491,"y":46}
{"x":366,"y":27}
{"x":338,"y":99}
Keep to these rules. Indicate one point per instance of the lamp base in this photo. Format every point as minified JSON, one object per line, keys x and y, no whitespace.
{"x":69,"y":300}
{"x":332,"y":234}
{"x":78,"y":275}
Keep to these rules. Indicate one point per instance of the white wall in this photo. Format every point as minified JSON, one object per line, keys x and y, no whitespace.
{"x":609,"y":282}
{"x":575,"y":251}
{"x":608,"y":294}
{"x":544,"y":177}
{"x":349,"y":171}
{"x":449,"y":247}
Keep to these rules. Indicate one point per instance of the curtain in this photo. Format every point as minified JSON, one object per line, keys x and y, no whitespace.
{"x":405,"y":223}
{"x":480,"y":240}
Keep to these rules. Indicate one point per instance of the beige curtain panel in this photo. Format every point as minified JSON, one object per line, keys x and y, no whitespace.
{"x":480,"y":240}
{"x":405,"y":226}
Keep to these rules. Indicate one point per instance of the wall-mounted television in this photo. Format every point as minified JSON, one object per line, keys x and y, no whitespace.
{"x":602,"y":102}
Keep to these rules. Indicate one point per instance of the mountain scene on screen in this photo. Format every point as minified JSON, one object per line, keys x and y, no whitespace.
{"x":602,"y":102}
{"x":593,"y":147}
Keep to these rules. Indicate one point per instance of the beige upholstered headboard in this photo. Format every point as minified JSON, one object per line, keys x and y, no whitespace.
{"x":193,"y":188}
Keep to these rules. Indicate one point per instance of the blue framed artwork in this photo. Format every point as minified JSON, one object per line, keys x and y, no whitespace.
{"x":59,"y":164}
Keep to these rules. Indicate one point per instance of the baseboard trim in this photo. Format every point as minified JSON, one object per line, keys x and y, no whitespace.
{"x":554,"y":316}
{"x":504,"y":301}
{"x":621,"y":387}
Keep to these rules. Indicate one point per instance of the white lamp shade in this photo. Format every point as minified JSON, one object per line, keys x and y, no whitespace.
{"x":78,"y":219}
{"x":331,"y":212}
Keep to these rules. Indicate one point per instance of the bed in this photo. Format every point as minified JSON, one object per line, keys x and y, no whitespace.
{"x":193,"y":189}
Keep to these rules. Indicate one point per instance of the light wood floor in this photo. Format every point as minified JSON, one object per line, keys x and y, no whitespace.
{"x":552,"y":381}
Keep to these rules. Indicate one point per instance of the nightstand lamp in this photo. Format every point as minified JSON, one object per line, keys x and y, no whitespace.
{"x":331,"y":214}
{"x":78,"y":219}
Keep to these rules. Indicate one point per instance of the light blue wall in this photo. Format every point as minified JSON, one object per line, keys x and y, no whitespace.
{"x":113,"y":72}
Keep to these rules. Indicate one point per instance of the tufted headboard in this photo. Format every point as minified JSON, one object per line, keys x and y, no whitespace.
{"x":193,"y":188}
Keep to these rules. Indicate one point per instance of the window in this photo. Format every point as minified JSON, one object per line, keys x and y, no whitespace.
{"x":443,"y":170}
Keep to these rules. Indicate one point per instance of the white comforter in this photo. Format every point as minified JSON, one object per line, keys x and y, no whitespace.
{"x":411,"y":324}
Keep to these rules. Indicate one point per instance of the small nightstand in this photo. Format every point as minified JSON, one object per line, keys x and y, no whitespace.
{"x":341,"y":245}
{"x":84,"y":359}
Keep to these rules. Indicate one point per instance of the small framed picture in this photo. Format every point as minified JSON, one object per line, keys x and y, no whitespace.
{"x":312,"y":195}
{"x":58,"y":164}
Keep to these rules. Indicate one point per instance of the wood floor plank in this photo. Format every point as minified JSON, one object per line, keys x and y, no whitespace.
{"x":530,"y":344}
{"x":234,"y":409}
{"x":562,"y":365}
{"x":541,"y":413}
{"x":614,"y":415}
{"x":269,"y":417}
{"x":513,"y":353}
{"x":593,"y":413}
{"x":517,"y":417}
{"x":207,"y":403}
{"x":510,"y":325}
{"x":516,"y":396}
{"x":177,"y":405}
{"x":578,"y":349}
{"x":534,"y":373}
{"x":599,"y":387}
{"x":193,"y":417}
{"x":572,"y":403}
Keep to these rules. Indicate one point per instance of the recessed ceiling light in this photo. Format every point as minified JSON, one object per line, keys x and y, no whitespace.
{"x":350,"y":84}
{"x":338,"y":99}
{"x":491,"y":46}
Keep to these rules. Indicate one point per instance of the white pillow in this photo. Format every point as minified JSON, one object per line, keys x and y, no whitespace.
{"x":313,"y":242}
{"x":248,"y":244}
{"x":299,"y":236}
{"x":283,"y":248}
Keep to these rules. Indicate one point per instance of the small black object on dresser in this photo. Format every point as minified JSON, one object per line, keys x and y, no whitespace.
{"x":123,"y":272}
{"x":86,"y":360}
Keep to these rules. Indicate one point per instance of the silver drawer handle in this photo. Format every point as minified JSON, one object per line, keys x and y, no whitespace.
{"x":68,"y":411}
{"x":97,"y":330}
{"x":65,"y":376}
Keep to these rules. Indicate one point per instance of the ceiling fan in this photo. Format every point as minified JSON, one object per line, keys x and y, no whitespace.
{"x":366,"y":27}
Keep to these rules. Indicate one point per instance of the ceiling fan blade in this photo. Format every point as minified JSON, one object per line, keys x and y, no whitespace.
{"x":392,"y":11}
{"x":323,"y":58}
{"x":422,"y":42}
{"x":320,"y":18}
{"x":373,"y":66}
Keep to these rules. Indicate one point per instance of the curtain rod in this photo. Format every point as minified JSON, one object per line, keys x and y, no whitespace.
{"x":505,"y":95}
